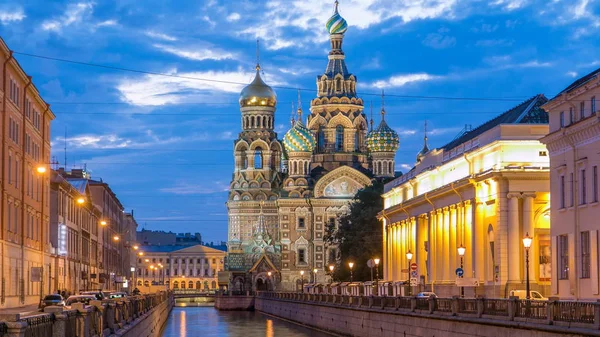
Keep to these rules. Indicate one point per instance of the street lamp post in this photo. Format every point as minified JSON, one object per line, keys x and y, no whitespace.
{"x":351,"y":264}
{"x":315,"y":271}
{"x":527,"y":240}
{"x":302,"y":281}
{"x":376,"y":276}
{"x":409,"y":257}
{"x":461,"y":253}
{"x":331,"y":267}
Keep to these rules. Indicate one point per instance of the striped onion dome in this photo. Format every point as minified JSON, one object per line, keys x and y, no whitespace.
{"x":336,"y":23}
{"x":299,"y":139}
{"x":383,"y":139}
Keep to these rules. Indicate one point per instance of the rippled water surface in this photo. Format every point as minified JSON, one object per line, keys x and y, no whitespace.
{"x":205,"y":322}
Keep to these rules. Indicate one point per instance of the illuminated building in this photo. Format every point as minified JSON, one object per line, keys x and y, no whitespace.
{"x":484,"y":191}
{"x":573,"y":144}
{"x":284,"y":193}
{"x":26,"y":117}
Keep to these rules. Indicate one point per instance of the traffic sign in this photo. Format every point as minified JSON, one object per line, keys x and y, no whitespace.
{"x":371,"y":263}
{"x":413,"y":266}
{"x":413,"y":274}
{"x":413,"y":281}
{"x":467,"y":282}
{"x":459,"y":272}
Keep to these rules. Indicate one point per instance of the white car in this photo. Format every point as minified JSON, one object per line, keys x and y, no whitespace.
{"x":534,"y":295}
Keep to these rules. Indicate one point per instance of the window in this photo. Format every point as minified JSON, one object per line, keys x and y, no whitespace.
{"x":258,"y":158}
{"x":301,"y":255}
{"x":356,"y":141}
{"x":214,"y":261}
{"x":321,"y":139}
{"x":582,"y":110}
{"x":339,"y":138}
{"x":572,"y":186}
{"x":197,"y":260}
{"x":562,"y":119}
{"x":563,"y":251}
{"x":585,"y":255}
{"x":593,"y":103}
{"x":595,"y":183}
{"x":301,"y":223}
{"x":168,"y":260}
{"x":583,"y":192}
{"x":562,"y":191}
{"x":571,"y":116}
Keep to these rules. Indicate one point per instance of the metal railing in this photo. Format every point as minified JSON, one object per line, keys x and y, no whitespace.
{"x":71,"y":323}
{"x":39,"y":326}
{"x":564,"y":313}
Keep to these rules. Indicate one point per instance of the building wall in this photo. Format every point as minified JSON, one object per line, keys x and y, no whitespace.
{"x":24,"y":206}
{"x":573,"y":146}
{"x":486,"y":200}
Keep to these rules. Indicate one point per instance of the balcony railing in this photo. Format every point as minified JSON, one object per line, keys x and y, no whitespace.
{"x":561,"y":313}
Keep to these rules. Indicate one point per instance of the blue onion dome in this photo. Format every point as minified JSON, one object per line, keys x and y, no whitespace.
{"x":336,"y":23}
{"x":383,"y":139}
{"x":299,"y":139}
{"x":258,"y":93}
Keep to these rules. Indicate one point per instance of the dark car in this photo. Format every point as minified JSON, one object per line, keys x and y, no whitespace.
{"x":54,"y":299}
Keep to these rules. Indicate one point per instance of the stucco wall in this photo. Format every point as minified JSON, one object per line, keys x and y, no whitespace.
{"x":373,"y":323}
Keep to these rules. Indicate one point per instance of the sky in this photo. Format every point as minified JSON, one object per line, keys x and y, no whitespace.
{"x":139,"y":113}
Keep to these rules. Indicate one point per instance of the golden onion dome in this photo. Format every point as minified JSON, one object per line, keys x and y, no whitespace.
{"x":258,"y":93}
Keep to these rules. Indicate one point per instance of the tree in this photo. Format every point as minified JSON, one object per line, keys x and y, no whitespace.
{"x":359,"y":234}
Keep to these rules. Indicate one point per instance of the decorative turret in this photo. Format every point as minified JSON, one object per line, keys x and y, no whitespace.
{"x":383,"y":142}
{"x":336,"y":23}
{"x":299,"y":143}
{"x":258,"y":93}
{"x":425,"y":149}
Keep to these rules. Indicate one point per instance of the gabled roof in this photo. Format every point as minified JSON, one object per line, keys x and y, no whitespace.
{"x":265,"y":258}
{"x":579,"y":82}
{"x":180,"y":249}
{"x":528,"y":112}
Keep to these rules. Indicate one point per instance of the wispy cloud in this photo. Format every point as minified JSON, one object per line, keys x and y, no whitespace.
{"x":571,"y":74}
{"x":74,"y":13}
{"x":510,"y":5}
{"x":107,"y":23}
{"x":152,"y":90}
{"x":404,"y":79}
{"x":113,"y":141}
{"x":442,"y":131}
{"x":187,"y":188}
{"x":406,"y":132}
{"x":199,"y":53}
{"x":233,"y":17}
{"x":160,"y":36}
{"x":495,"y":43}
{"x":8,"y":15}
{"x":439,"y":40}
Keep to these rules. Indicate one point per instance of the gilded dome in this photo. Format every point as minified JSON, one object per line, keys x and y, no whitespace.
{"x":383,"y":139}
{"x":258,"y":93}
{"x":336,"y":23}
{"x":299,"y":139}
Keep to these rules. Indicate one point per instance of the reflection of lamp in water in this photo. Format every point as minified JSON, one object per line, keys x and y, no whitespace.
{"x":269,"y":331}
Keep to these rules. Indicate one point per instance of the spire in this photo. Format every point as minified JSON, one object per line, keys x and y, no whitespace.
{"x":292,"y":115}
{"x":425,"y":149}
{"x":299,"y":107}
{"x":336,"y":4}
{"x":257,"y":55}
{"x":382,"y":105}
{"x":425,"y":138}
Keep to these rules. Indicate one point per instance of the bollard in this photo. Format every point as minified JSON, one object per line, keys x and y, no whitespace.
{"x":480,"y":306}
{"x":512,"y":307}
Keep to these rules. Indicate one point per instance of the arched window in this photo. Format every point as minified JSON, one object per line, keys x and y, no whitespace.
{"x":191,"y":285}
{"x":213,"y":285}
{"x":244,"y":159}
{"x":258,"y":164}
{"x":252,"y":124}
{"x":339,"y":138}
{"x":391,"y":168}
{"x":321,"y":139}
{"x":338,"y":84}
{"x":175,"y":285}
{"x":273,"y":162}
{"x":356,"y":141}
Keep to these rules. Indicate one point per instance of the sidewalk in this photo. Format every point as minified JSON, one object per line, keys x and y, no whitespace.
{"x":27,"y":310}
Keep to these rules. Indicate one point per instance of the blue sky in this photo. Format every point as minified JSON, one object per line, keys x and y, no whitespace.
{"x":164,"y":143}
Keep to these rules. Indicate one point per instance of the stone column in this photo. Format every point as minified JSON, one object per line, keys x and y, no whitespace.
{"x":514,"y":238}
{"x":202,"y":267}
{"x":431,"y":253}
{"x":439,"y":246}
{"x":453,"y":242}
{"x":528,"y":228}
{"x":195,"y":271}
{"x":446,"y":249}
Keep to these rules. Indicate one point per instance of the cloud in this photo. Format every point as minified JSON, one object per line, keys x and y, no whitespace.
{"x":502,"y":62}
{"x":8,"y":15}
{"x":442,"y":131}
{"x":199,"y":53}
{"x":73,"y":14}
{"x":406,"y":167}
{"x":510,"y":5}
{"x":406,"y":132}
{"x":495,"y":43}
{"x":571,"y":74}
{"x":485,"y":28}
{"x":402,"y":80}
{"x":160,"y":36}
{"x":233,"y":17}
{"x":283,"y":17}
{"x":107,"y":23}
{"x":113,"y":141}
{"x":186,"y":188}
{"x":152,"y":90}
{"x":439,"y":41}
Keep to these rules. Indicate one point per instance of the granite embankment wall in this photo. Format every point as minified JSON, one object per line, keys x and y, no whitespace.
{"x":377,"y":322}
{"x":234,"y":302}
{"x":151,"y":323}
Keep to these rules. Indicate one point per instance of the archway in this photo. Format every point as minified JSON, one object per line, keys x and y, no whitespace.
{"x":261,"y":285}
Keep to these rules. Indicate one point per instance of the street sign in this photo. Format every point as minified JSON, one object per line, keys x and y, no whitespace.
{"x":413,"y":274}
{"x":467,"y":282}
{"x":413,"y":266}
{"x":371,"y":263}
{"x":459,"y":272}
{"x":413,"y":281}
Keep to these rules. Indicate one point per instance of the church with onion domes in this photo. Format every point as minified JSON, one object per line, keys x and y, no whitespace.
{"x":284,"y":193}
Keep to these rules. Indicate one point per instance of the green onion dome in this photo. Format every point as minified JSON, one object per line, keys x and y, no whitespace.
{"x":383,"y":139}
{"x":258,"y":93}
{"x":336,"y":23}
{"x":299,"y":139}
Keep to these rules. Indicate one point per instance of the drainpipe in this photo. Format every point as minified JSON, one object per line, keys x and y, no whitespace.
{"x":23,"y":186}
{"x":10,"y":57}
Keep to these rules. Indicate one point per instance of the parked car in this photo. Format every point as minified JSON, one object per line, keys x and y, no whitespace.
{"x":85,"y":299}
{"x":117,"y":294}
{"x":99,"y":294}
{"x":427,"y":294}
{"x":53,"y":299}
{"x":534,"y":295}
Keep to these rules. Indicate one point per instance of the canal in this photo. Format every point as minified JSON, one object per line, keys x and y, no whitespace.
{"x":208,"y":322}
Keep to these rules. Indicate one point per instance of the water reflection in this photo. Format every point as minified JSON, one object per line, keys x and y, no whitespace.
{"x":211,"y":322}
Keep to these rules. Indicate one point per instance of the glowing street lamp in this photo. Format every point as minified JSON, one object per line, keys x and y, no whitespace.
{"x":315,"y":271}
{"x":527,"y":240}
{"x":376,"y":260}
{"x":80,"y":200}
{"x":302,"y":280}
{"x":409,"y":256}
{"x":461,"y":253}
{"x":351,"y":265}
{"x":116,"y":238}
{"x":103,"y":222}
{"x":41,"y":169}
